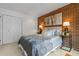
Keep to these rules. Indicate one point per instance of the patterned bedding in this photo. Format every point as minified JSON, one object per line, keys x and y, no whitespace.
{"x":35,"y":45}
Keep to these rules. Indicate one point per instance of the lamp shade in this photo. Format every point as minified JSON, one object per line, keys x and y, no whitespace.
{"x":40,"y":26}
{"x":66,"y":24}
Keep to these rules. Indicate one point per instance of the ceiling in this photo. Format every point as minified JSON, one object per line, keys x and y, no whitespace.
{"x":32,"y":9}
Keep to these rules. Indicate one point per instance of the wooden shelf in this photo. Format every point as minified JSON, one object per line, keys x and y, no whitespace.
{"x":53,"y":26}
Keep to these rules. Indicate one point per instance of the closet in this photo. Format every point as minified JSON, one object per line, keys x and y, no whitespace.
{"x":0,"y":30}
{"x":10,"y":29}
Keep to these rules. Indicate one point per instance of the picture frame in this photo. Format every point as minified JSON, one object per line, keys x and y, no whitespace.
{"x":53,"y":20}
{"x":57,"y":19}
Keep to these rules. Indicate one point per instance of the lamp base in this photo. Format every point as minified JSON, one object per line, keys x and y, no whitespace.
{"x":66,"y":31}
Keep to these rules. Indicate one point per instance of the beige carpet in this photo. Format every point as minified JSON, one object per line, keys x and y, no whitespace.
{"x":13,"y":50}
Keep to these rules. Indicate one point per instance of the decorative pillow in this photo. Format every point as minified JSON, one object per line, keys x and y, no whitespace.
{"x":47,"y":33}
{"x":57,"y":32}
{"x":52,"y":32}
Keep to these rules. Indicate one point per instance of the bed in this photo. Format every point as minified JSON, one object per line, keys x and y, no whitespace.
{"x":36,"y":45}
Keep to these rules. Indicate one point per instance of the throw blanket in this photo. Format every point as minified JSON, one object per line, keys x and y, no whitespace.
{"x":37,"y":45}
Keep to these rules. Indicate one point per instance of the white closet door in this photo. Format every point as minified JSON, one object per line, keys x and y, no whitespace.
{"x":11,"y":29}
{"x":0,"y":30}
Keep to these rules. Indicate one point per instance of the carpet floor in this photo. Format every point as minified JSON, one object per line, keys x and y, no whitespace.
{"x":13,"y":50}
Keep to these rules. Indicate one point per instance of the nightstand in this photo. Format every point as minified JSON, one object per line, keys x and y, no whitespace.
{"x":67,"y":42}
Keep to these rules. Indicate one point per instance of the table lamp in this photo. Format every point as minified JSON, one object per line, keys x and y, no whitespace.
{"x":66,"y":24}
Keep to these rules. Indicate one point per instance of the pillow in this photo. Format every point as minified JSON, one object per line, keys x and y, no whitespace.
{"x":53,"y":32}
{"x":47,"y":33}
{"x":57,"y":32}
{"x":50,"y":33}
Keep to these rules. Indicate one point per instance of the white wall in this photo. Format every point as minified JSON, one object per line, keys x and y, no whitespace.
{"x":29,"y":25}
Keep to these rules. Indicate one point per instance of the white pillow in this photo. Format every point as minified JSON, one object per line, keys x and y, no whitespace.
{"x":47,"y":33}
{"x":50,"y":33}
